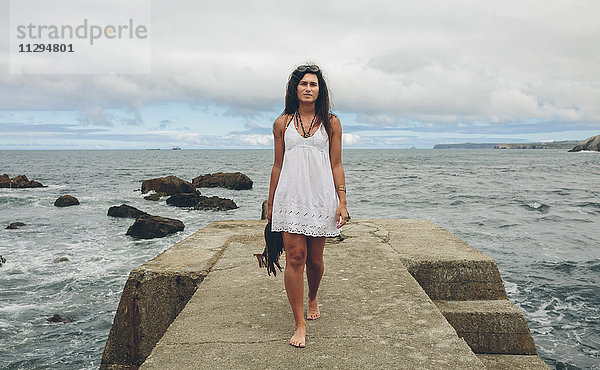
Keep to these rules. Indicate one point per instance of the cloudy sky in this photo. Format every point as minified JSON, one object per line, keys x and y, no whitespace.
{"x":401,"y":74}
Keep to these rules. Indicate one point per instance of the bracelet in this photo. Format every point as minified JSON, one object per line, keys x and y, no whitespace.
{"x":341,"y":188}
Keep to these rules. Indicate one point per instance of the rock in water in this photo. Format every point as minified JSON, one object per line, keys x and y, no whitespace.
{"x":60,"y":259}
{"x":20,"y":181}
{"x":155,"y":196}
{"x":215,"y":203}
{"x":265,"y":208}
{"x":59,"y":318}
{"x":2,"y":260}
{"x":169,"y":185}
{"x":148,"y":227}
{"x":125,"y":210}
{"x":235,"y":181}
{"x":66,"y":201}
{"x":15,"y":225}
{"x":184,"y":199}
{"x":590,"y":144}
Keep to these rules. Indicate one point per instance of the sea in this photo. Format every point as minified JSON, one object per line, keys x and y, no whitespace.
{"x":536,"y":212}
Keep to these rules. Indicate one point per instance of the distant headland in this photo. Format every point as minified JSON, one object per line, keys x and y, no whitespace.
{"x":589,"y":144}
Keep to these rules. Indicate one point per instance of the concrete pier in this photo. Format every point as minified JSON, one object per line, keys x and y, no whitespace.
{"x":395,"y":294}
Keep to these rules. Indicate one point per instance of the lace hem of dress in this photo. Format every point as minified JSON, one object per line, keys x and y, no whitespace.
{"x":287,"y":208}
{"x":304,"y":219}
{"x":309,"y":230}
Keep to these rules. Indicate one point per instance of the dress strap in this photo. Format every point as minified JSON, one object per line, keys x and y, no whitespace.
{"x":290,"y":121}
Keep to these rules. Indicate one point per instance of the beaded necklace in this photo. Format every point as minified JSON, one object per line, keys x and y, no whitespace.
{"x":304,"y":133}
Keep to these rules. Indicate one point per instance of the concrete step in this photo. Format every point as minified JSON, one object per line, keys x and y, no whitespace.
{"x":490,"y":326}
{"x":444,"y":265}
{"x":521,"y":362}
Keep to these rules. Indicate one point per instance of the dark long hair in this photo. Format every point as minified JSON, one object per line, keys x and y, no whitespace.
{"x":322,"y":106}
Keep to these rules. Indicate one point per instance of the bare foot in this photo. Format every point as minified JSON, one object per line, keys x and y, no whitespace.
{"x":313,"y":309}
{"x":299,"y":337}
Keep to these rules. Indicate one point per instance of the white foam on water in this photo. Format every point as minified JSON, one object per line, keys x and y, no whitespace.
{"x":88,"y":287}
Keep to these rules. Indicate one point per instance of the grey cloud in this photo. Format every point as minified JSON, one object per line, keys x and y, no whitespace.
{"x":420,"y":65}
{"x":98,"y":116}
{"x":165,"y":123}
{"x":506,"y":129}
{"x":95,"y":116}
{"x":15,"y":128}
{"x":255,"y":129}
{"x":132,"y":117}
{"x":69,"y":135}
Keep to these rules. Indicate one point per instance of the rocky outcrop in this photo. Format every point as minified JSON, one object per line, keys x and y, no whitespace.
{"x":168,"y":185}
{"x":215,"y":204}
{"x":2,"y":260}
{"x":20,"y":181}
{"x":125,"y":210}
{"x":235,"y":181}
{"x":15,"y":225}
{"x":565,"y":144}
{"x":59,"y":318}
{"x":155,"y":196}
{"x":60,"y":259}
{"x":66,"y":201}
{"x":265,"y":208}
{"x":148,"y":227}
{"x":197,"y":201}
{"x":589,"y":144}
{"x":184,"y":200}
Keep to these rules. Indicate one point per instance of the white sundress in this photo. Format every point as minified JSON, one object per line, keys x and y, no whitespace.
{"x":305,"y":198}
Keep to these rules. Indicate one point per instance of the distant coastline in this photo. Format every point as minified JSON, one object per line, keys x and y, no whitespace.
{"x":565,"y":144}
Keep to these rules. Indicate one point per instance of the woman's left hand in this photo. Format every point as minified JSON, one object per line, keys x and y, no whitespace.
{"x":341,"y":215}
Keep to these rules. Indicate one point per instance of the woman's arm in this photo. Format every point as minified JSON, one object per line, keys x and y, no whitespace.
{"x":278,"y":130}
{"x":335,"y":155}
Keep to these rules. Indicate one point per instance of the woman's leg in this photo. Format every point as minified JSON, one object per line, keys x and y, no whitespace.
{"x":295,"y":259}
{"x":314,"y":272}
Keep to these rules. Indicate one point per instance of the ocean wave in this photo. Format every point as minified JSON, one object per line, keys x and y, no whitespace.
{"x":595,"y":206}
{"x":563,"y":191}
{"x":507,"y":225}
{"x":16,"y":201}
{"x":573,"y":268}
{"x":551,"y":218}
{"x":593,"y":265}
{"x":536,"y":206}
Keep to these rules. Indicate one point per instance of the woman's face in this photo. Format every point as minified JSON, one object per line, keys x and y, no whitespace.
{"x":308,"y":88}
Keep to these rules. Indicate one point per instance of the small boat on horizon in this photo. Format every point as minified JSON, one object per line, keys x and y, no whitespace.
{"x":176,"y":148}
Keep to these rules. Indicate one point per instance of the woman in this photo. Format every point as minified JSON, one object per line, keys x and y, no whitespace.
{"x":307,"y":192}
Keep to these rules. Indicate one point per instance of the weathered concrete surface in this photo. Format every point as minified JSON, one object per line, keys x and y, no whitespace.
{"x":521,"y":362}
{"x":444,"y":265}
{"x":157,"y":291}
{"x":496,"y":326}
{"x":374,"y":315}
